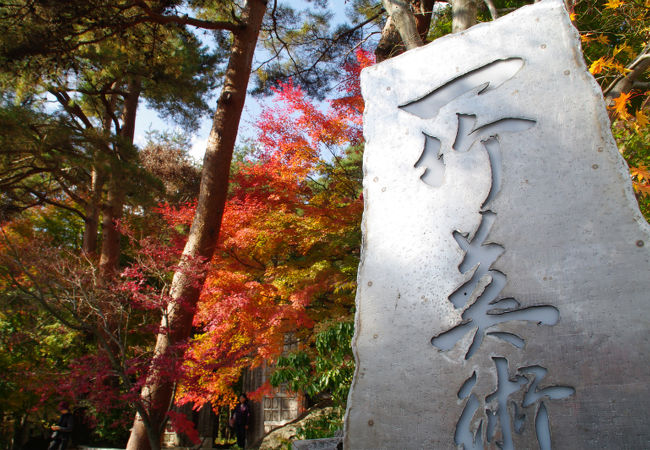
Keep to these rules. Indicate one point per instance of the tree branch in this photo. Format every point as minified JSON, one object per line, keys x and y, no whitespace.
{"x":300,"y":72}
{"x":624,"y":84}
{"x":164,"y":19}
{"x":74,"y":110}
{"x":40,"y":297}
{"x":44,"y":199}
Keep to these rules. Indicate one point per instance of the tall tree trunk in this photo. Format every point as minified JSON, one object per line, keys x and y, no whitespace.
{"x":19,"y":436}
{"x":402,"y":16}
{"x":186,"y":286}
{"x":390,"y":44}
{"x":112,"y":211}
{"x":407,"y":19}
{"x":463,"y":13}
{"x":423,"y":13}
{"x":98,"y":178}
{"x":91,"y":222}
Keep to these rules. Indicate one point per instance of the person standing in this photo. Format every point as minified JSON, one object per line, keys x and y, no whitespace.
{"x":241,"y":416}
{"x":62,"y":429}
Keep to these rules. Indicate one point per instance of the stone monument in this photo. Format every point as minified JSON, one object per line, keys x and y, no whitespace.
{"x":504,"y":286}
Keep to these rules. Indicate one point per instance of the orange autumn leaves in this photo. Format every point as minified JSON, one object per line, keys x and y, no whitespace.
{"x":629,"y":128}
{"x":289,"y":240}
{"x":641,"y":179}
{"x":614,"y":39}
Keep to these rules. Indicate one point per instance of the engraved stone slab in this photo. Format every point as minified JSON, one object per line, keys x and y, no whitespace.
{"x":504,"y":286}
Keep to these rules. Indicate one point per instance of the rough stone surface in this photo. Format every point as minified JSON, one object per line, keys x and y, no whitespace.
{"x":562,"y":289}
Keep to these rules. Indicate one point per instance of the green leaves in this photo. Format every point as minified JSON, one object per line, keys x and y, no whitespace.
{"x":325,"y":368}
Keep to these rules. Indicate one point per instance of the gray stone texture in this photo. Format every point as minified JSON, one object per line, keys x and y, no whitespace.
{"x":571,"y":241}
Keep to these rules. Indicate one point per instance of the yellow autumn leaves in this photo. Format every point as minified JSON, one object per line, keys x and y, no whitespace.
{"x":605,"y":62}
{"x":638,"y":124}
{"x":615,"y":4}
{"x":609,"y":62}
{"x":614,"y":36}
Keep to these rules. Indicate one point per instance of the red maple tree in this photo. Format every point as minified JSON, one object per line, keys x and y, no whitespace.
{"x":289,"y":240}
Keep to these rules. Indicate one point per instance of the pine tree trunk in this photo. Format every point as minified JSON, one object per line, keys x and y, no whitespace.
{"x":112,"y":211}
{"x":411,"y":21}
{"x":423,"y":14}
{"x":91,"y":222}
{"x":97,"y":180}
{"x":402,"y":16}
{"x":390,"y":44}
{"x":158,"y":392}
{"x":463,"y":14}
